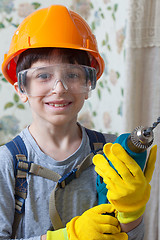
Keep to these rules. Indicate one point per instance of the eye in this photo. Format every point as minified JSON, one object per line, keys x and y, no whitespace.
{"x":44,"y":76}
{"x":73,"y":75}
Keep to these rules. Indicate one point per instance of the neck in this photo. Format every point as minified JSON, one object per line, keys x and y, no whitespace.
{"x":59,"y":142}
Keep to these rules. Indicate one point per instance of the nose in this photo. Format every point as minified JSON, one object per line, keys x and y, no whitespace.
{"x":59,"y":86}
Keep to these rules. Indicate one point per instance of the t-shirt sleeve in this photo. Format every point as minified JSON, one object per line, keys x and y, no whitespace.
{"x":7,"y":199}
{"x":137,"y":233}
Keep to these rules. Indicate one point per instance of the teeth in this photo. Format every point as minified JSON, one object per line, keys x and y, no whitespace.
{"x":58,"y":105}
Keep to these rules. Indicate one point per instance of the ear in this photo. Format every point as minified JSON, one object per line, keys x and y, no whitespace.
{"x":22,"y":96}
{"x":87,"y":95}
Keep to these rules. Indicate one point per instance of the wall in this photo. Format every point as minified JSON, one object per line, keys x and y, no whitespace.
{"x":104,"y":109}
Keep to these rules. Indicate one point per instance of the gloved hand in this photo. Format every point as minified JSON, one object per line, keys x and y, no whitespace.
{"x":91,"y":225}
{"x":60,"y":234}
{"x":94,"y":225}
{"x":129,"y":189}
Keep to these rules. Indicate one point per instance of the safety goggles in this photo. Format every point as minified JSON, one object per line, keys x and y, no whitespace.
{"x":42,"y":81}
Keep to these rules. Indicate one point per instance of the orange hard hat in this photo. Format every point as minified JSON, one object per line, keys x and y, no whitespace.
{"x":55,"y":26}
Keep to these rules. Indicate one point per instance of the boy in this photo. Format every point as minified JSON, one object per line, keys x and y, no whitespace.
{"x":53,"y":63}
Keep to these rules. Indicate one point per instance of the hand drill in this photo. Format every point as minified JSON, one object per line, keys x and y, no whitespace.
{"x":135,"y":144}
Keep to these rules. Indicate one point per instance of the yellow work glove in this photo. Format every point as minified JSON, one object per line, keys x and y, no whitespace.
{"x":93,"y":224}
{"x":60,"y":234}
{"x":129,"y":189}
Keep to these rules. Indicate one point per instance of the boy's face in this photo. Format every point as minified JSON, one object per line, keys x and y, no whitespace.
{"x":63,"y":103}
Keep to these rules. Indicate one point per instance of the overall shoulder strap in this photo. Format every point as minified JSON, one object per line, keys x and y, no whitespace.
{"x":96,"y":139}
{"x":19,"y":153}
{"x":22,"y":167}
{"x":100,"y":185}
{"x":16,"y":147}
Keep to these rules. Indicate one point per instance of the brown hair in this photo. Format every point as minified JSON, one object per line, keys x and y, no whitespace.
{"x":30,"y":56}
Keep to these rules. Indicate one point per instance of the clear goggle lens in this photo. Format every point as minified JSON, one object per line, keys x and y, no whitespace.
{"x":42,"y":81}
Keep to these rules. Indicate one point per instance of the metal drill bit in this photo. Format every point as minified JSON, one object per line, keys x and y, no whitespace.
{"x":150,"y":129}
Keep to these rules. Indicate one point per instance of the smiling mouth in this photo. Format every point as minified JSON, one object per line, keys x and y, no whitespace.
{"x":58,"y":105}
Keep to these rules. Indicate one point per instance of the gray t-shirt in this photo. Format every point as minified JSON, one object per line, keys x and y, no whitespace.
{"x":78,"y":196}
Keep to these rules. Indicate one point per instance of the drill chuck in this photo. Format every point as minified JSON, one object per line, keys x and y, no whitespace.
{"x":138,"y":141}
